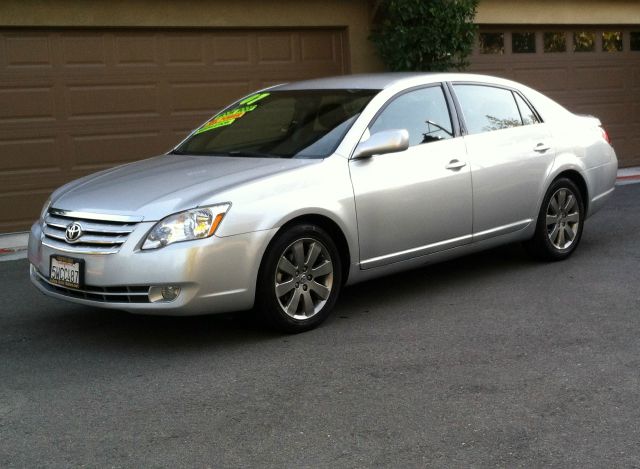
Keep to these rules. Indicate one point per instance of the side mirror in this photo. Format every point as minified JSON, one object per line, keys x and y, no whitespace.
{"x":387,"y":141}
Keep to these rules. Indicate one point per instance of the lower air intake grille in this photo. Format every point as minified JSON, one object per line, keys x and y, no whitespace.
{"x":124,"y":294}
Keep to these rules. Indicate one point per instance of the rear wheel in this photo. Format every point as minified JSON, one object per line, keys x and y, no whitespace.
{"x":560,"y":222}
{"x":300,"y":278}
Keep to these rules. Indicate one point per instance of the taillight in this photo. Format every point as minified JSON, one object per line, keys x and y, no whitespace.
{"x":605,"y":135}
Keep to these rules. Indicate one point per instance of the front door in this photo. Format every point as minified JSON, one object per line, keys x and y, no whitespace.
{"x":417,"y":201}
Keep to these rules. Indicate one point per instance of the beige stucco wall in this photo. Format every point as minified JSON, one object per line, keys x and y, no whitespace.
{"x":353,"y":14}
{"x":558,"y":12}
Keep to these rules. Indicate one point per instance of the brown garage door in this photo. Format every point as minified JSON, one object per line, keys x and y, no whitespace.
{"x":76,"y":101}
{"x":589,"y":69}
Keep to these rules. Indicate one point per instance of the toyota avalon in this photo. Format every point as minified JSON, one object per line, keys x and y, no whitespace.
{"x":292,"y":192}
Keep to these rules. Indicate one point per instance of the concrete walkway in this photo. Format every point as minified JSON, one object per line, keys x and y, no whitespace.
{"x":14,"y":245}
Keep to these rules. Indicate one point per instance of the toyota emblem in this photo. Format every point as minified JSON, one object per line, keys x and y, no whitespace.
{"x":73,"y":233}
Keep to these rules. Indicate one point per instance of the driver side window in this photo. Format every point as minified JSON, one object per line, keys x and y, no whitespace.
{"x":423,"y":112}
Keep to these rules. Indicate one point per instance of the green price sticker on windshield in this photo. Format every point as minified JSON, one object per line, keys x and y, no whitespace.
{"x":229,"y":117}
{"x":254,"y":98}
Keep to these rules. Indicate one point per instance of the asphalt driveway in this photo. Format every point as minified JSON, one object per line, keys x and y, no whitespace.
{"x":490,"y":360}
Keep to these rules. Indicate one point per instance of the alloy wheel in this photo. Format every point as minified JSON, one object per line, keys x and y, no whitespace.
{"x":563,"y":218}
{"x":304,"y":278}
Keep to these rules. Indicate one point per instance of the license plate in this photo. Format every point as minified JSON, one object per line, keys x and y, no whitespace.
{"x":66,"y":271}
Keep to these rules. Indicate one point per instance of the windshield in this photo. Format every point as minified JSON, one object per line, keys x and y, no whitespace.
{"x":280,"y":124}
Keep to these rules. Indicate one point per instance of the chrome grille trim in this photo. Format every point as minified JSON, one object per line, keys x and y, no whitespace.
{"x":96,"y":216}
{"x":57,"y":233}
{"x":116,"y":294}
{"x":91,"y":226}
{"x":99,"y":235}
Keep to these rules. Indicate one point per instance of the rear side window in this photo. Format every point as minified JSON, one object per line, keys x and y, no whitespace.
{"x":527,"y":114}
{"x":487,"y":108}
{"x":423,"y":112}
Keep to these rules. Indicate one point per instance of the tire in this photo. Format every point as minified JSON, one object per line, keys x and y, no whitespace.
{"x":560,"y":222}
{"x":300,"y":279}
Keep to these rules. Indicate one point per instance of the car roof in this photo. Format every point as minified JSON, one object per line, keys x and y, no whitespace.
{"x":379,"y":81}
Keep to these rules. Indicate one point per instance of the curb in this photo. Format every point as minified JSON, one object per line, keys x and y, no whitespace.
{"x":12,"y":254}
{"x":629,"y":179}
{"x":13,"y":246}
{"x":628,"y":176}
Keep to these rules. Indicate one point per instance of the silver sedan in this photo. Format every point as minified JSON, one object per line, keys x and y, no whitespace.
{"x":295,"y":191}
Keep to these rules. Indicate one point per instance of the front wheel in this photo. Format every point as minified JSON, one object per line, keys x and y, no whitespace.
{"x":560,"y":222}
{"x":300,"y":278}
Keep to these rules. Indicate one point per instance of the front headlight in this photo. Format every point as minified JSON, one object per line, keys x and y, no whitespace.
{"x":196,"y":223}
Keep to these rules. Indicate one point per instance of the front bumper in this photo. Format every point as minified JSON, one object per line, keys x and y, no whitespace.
{"x":215,"y":275}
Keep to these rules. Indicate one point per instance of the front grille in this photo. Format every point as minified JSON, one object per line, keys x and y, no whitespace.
{"x":99,"y":236}
{"x":117,"y":294}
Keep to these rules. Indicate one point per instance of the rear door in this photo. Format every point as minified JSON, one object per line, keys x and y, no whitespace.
{"x":510,"y":151}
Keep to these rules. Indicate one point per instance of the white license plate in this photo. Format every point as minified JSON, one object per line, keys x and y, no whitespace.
{"x":66,"y":271}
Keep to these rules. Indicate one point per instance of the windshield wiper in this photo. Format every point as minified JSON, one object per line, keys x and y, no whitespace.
{"x":197,"y":153}
{"x":252,"y":154}
{"x":243,"y":153}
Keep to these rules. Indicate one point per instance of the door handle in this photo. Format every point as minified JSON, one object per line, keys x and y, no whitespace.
{"x":456,"y":164}
{"x":541,"y":147}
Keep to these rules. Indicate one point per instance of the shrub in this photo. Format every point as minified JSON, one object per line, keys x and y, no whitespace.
{"x":425,"y":35}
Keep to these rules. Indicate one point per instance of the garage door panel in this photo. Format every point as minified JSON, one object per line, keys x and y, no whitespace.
{"x":95,"y":151}
{"x":19,"y":181}
{"x":84,"y":50}
{"x":136,"y":50}
{"x":26,"y":105}
{"x":25,"y":155}
{"x":228,"y":49}
{"x":184,"y":49}
{"x":75,"y":101}
{"x":594,"y":78}
{"x":26,"y":52}
{"x":113,"y":101}
{"x":275,"y":48}
{"x":92,"y":146}
{"x":315,"y":47}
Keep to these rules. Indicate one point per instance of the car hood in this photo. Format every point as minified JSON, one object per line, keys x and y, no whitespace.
{"x":154,"y":188}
